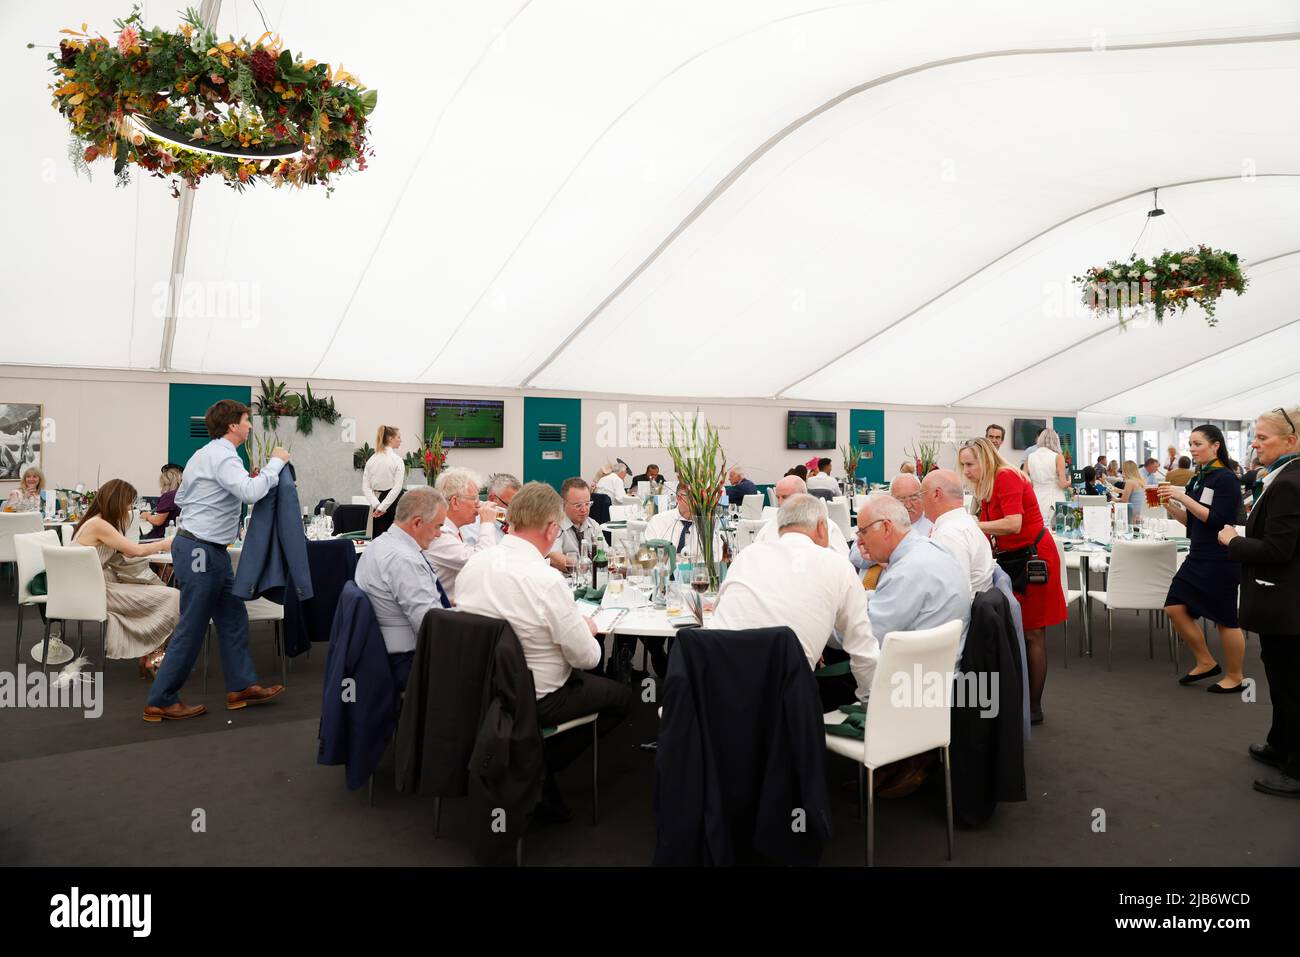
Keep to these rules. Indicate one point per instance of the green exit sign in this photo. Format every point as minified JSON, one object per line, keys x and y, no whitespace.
{"x":1132,"y":420}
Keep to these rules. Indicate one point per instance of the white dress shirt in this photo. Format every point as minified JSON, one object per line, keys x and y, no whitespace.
{"x":960,"y":535}
{"x":213,"y":486}
{"x":384,"y":471}
{"x":837,"y":543}
{"x":823,"y":481}
{"x":668,"y":526}
{"x":514,"y":582}
{"x":570,"y":535}
{"x":612,"y":485}
{"x":794,"y":582}
{"x":401,"y":586}
{"x":449,"y":552}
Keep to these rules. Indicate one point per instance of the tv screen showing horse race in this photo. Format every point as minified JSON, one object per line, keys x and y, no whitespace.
{"x":466,"y":423}
{"x":810,"y":430}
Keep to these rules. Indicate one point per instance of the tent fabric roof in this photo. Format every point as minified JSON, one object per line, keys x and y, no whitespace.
{"x":845,"y":202}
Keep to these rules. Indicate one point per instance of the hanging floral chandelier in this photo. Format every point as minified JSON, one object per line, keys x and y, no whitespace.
{"x":185,"y":105}
{"x":1168,"y":281}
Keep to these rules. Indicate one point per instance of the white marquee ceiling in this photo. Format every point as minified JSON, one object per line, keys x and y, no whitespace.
{"x":855,"y":202}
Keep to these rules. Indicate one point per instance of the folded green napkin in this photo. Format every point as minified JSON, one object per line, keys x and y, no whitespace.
{"x":832,"y":671}
{"x":37,"y":585}
{"x":589,"y":594}
{"x":854,"y":726}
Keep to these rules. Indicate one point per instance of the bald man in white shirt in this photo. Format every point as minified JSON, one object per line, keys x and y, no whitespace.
{"x":956,"y":529}
{"x":770,"y":532}
{"x":449,"y":552}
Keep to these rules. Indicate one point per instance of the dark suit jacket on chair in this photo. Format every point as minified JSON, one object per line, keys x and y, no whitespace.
{"x":1269,"y":553}
{"x":355,"y":726}
{"x":469,"y":726}
{"x":741,"y":746}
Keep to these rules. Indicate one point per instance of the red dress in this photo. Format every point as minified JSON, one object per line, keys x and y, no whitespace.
{"x":1013,"y":494}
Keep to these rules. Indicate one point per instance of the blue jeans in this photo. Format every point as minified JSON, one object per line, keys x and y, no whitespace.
{"x":203,"y":573}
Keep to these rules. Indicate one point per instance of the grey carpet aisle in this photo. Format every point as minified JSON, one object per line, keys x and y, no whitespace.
{"x":1167,"y":764}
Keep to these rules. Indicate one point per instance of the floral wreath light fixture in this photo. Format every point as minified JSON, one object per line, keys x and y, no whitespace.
{"x":1168,"y":281}
{"x":184,"y":104}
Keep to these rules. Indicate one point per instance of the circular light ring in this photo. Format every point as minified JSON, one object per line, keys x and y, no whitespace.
{"x":163,"y":134}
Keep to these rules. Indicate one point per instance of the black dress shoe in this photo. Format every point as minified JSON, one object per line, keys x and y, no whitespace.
{"x":1266,"y":754}
{"x":1220,"y":689}
{"x":1190,"y":678}
{"x":1035,"y":717}
{"x":1280,"y":784}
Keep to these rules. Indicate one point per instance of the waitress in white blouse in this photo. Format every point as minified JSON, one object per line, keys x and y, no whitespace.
{"x":383,"y":479}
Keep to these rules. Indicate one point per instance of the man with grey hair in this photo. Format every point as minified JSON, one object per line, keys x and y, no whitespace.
{"x":770,"y":532}
{"x":797,"y":581}
{"x":398,"y":579}
{"x":501,"y":489}
{"x":449,"y":552}
{"x":907,"y":489}
{"x":956,"y":529}
{"x":615,"y":485}
{"x":738,"y":486}
{"x":922,"y":585}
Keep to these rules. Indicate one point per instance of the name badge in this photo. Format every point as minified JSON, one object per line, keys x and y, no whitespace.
{"x":1207,"y":497}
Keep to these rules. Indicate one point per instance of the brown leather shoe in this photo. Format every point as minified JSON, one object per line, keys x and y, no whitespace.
{"x":253,"y":694}
{"x":173,"y":712}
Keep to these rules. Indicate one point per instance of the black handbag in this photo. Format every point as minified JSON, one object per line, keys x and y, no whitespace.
{"x":1024,"y":567}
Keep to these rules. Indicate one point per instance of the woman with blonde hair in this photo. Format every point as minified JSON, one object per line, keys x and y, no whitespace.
{"x":142,"y":611}
{"x":1133,"y":494}
{"x":1045,"y":467}
{"x":1269,"y":555}
{"x":1009,"y":514}
{"x":30,"y":494}
{"x":166,"y":511}
{"x":384,"y":475}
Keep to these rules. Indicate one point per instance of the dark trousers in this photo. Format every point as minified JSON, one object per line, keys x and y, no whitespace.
{"x":204,"y":577}
{"x":1281,"y":656}
{"x":838,"y":689}
{"x":400,"y":664}
{"x":381,"y":524}
{"x":626,"y":645}
{"x":582,"y":694}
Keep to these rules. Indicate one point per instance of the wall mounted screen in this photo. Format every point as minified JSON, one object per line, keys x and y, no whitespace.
{"x":466,"y":423}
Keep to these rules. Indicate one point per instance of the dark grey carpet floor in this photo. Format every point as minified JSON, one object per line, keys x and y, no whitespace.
{"x":1166,"y":764}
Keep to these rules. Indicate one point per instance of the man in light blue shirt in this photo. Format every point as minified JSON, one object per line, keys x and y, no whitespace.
{"x":922,"y":586}
{"x":399,"y":581}
{"x":1151,"y":472}
{"x":214,"y":487}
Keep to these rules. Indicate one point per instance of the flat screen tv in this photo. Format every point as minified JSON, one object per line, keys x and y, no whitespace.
{"x":466,"y":423}
{"x":1024,"y":432}
{"x":810,"y":430}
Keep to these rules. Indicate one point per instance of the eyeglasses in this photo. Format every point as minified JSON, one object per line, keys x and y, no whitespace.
{"x":1288,"y":419}
{"x":862,"y":529}
{"x":914,"y":497}
{"x":579,"y":505}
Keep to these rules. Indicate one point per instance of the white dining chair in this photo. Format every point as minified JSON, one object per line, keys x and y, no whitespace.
{"x":1072,"y":595}
{"x":1087,"y":501}
{"x":860,"y":502}
{"x":76,"y":593}
{"x":751,"y":506}
{"x":771,"y":497}
{"x":133,"y":526}
{"x":30,"y":562}
{"x":746,"y":530}
{"x":360,"y":500}
{"x":897,"y":729}
{"x":838,"y":512}
{"x":11,"y":524}
{"x":259,"y":609}
{"x":1139,"y":579}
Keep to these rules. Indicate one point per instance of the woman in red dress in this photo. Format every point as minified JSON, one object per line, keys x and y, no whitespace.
{"x":1009,"y":514}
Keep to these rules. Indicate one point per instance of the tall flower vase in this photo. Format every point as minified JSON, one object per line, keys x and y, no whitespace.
{"x":706,"y":527}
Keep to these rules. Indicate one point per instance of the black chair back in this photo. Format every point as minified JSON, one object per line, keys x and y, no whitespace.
{"x":822,"y":493}
{"x":600,"y":503}
{"x":350,"y":518}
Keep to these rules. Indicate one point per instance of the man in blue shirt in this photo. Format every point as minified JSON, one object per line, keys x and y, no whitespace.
{"x":214,"y":487}
{"x":398,"y":579}
{"x":922,"y":586}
